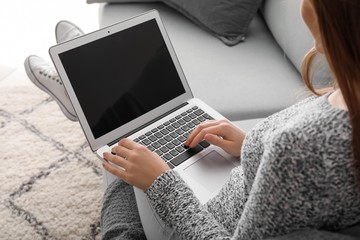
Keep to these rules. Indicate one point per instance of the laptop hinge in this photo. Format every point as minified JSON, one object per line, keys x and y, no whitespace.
{"x":147,"y":124}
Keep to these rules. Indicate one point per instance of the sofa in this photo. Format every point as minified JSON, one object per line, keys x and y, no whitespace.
{"x":258,"y":75}
{"x":250,"y":80}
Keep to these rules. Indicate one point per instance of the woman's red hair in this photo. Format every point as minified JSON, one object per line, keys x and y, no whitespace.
{"x":340,"y":34}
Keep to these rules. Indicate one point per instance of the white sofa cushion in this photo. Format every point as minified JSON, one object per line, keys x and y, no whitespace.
{"x":285,"y":23}
{"x":284,"y":20}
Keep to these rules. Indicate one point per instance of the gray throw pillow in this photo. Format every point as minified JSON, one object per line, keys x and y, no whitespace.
{"x":228,"y":20}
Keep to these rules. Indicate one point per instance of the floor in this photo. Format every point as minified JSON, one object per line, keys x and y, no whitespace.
{"x":27,"y":27}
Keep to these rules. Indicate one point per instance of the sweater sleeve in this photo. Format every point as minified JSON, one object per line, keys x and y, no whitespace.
{"x":178,"y":207}
{"x":286,"y":195}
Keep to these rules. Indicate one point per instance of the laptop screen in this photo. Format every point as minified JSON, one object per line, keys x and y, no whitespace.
{"x":122,"y":76}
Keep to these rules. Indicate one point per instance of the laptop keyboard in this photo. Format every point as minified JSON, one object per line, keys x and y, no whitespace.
{"x":167,"y":140}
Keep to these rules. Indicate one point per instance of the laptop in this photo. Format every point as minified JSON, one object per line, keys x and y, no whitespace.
{"x":125,"y":81}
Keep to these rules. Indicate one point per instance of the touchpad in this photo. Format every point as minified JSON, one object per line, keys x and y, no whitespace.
{"x":211,"y":171}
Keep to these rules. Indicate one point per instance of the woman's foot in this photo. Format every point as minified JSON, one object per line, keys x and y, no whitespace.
{"x":44,"y":76}
{"x":65,"y":31}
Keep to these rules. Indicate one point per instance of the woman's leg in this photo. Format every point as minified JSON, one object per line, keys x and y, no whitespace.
{"x":151,"y":224}
{"x":119,"y":215}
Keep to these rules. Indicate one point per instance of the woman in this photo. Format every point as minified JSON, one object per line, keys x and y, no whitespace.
{"x":300,"y":168}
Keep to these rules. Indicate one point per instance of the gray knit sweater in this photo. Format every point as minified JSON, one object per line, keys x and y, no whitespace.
{"x":296,"y":173}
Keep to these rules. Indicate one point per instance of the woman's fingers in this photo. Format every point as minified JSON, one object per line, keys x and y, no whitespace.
{"x":117,"y":160}
{"x":197,"y":131}
{"x":125,"y":148}
{"x":114,"y":170}
{"x":129,"y":144}
{"x":221,"y":133}
{"x":217,"y":141}
{"x":213,"y":130}
{"x":140,"y":166}
{"x":121,"y":151}
{"x":217,"y":127}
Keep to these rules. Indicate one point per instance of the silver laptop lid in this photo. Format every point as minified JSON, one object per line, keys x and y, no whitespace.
{"x":121,"y":77}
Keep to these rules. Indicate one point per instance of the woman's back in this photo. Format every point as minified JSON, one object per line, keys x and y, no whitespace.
{"x":297,"y":171}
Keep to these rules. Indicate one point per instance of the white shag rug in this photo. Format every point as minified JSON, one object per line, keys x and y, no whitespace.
{"x":50,"y":182}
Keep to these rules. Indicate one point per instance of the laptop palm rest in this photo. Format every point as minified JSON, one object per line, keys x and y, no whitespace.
{"x":204,"y":170}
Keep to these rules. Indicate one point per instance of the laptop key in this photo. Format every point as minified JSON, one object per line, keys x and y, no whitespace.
{"x":201,"y":119}
{"x":186,"y":135}
{"x":170,"y":165}
{"x":156,"y":145}
{"x":159,"y":152}
{"x":168,"y":138}
{"x":164,"y":149}
{"x":174,"y":152}
{"x":151,"y":148}
{"x":167,"y":156}
{"x":164,"y":131}
{"x":174,"y":134}
{"x":195,"y":122}
{"x":179,"y":131}
{"x":204,"y":144}
{"x":146,"y":142}
{"x":162,"y":141}
{"x":199,"y":112}
{"x":180,"y":149}
{"x":181,"y":138}
{"x":185,"y":128}
{"x":176,"y":142}
{"x":181,"y":122}
{"x":186,"y":155}
{"x":152,"y":138}
{"x":170,"y":146}
{"x":170,"y":128}
{"x":192,"y":116}
{"x":207,"y":116}
{"x":187,"y":119}
{"x":159,"y":134}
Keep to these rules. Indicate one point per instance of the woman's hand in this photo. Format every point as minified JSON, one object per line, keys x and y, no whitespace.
{"x":141,"y":166}
{"x":221,"y":133}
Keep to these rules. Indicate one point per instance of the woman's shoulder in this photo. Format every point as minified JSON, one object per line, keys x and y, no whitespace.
{"x":311,"y":125}
{"x":318,"y":130}
{"x":315,"y":135}
{"x":311,"y":119}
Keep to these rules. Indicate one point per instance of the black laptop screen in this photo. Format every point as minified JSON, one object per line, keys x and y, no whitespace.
{"x":122,"y":76}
